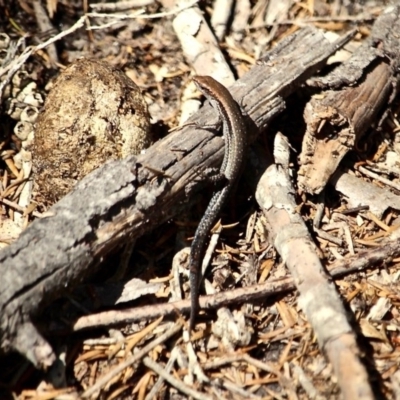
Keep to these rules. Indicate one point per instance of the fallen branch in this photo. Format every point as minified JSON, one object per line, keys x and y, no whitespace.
{"x":317,"y":295}
{"x":132,"y":196}
{"x":376,"y":257}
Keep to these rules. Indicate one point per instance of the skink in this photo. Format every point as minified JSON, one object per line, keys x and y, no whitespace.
{"x":234,"y":131}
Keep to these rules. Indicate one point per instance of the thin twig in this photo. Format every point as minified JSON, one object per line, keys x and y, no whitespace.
{"x":131,"y":360}
{"x":365,"y":259}
{"x":157,"y":386}
{"x":310,"y":20}
{"x":13,"y":67}
{"x":233,"y":388}
{"x":121,"y":5}
{"x":377,"y":177}
{"x":137,"y":14}
{"x":149,"y":363}
{"x":17,"y":207}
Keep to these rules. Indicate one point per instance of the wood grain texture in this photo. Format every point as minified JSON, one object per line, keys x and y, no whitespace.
{"x":131,"y":197}
{"x":356,"y":97}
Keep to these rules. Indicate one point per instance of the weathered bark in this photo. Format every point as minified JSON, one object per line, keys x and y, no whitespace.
{"x":364,"y":87}
{"x":318,"y":296}
{"x":132,"y":196}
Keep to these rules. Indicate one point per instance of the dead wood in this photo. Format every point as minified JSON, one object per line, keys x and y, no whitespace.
{"x":132,"y":196}
{"x":381,"y":255}
{"x":318,"y":297}
{"x":363,"y":88}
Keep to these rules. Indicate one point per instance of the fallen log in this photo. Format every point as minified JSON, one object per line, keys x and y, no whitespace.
{"x":130,"y":197}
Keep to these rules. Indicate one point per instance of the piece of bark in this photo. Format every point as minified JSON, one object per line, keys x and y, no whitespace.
{"x":45,"y":25}
{"x":318,"y":297}
{"x":358,"y":192}
{"x":220,"y":17}
{"x":243,"y":13}
{"x":336,"y":120}
{"x":132,"y":196}
{"x":383,"y":43}
{"x":200,"y":46}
